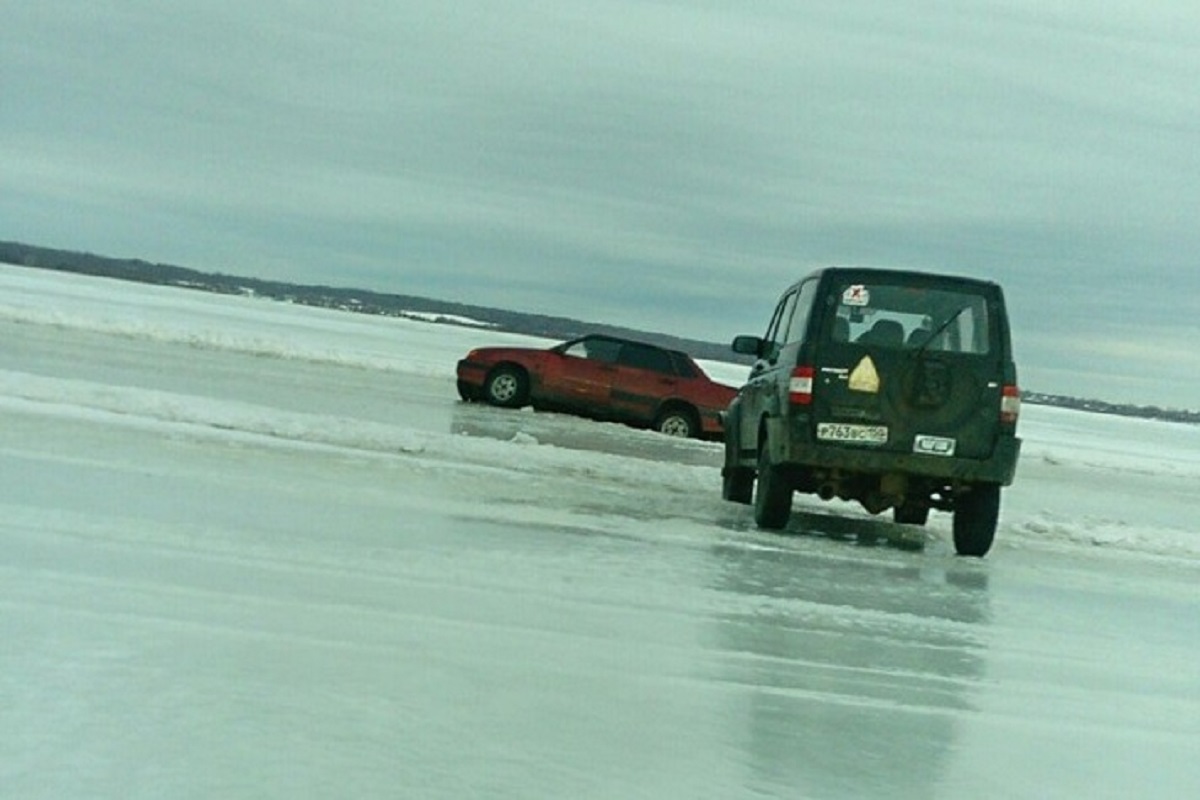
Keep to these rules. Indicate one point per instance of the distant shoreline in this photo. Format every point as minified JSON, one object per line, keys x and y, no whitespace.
{"x":363,"y":301}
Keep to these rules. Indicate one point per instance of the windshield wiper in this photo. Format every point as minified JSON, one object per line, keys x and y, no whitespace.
{"x":929,"y":339}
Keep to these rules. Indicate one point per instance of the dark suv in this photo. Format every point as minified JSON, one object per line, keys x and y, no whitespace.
{"x":894,"y":389}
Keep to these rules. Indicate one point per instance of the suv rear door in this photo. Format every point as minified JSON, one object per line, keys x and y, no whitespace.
{"x":909,"y":363}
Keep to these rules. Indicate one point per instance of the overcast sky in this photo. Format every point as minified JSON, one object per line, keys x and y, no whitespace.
{"x":670,"y":166}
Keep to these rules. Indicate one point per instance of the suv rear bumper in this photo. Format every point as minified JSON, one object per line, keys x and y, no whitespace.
{"x":1000,"y":468}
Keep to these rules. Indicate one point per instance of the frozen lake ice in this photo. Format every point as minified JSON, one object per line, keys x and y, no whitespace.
{"x":256,"y":550}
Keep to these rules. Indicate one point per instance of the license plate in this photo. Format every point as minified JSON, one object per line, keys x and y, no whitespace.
{"x":846,"y":432}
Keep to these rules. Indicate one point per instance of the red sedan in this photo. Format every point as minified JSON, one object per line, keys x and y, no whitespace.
{"x":604,"y":378}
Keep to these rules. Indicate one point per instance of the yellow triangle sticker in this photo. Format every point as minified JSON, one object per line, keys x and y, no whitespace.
{"x":864,"y":377}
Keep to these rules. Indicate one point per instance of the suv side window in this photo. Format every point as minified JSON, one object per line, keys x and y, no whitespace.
{"x":777,"y":333}
{"x":804,"y":303}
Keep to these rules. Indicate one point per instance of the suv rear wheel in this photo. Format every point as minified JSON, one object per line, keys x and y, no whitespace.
{"x":976,"y":513}
{"x":772,"y":495}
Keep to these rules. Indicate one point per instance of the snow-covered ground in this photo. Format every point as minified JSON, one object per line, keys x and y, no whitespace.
{"x":253,"y":550}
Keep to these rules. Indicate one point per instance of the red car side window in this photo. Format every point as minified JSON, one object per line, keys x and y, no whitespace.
{"x":684,"y":366}
{"x":651,"y":358}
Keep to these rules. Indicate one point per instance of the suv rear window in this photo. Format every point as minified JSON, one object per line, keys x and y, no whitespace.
{"x":906,"y":317}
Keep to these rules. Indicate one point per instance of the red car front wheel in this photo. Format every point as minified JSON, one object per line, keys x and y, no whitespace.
{"x":507,"y":387}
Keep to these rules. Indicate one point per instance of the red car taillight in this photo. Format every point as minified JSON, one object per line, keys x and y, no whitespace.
{"x":801,"y":386}
{"x":1010,"y":404}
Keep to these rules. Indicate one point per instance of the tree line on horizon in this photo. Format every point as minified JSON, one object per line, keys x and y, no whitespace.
{"x":365,"y":301}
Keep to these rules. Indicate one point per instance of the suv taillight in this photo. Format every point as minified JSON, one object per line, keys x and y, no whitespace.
{"x":1010,"y":404}
{"x":801,"y":385}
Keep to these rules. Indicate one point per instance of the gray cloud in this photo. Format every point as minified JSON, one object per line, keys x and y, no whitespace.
{"x":669,"y":165}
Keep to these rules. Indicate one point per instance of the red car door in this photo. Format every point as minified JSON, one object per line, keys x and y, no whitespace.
{"x":645,"y":375}
{"x":580,"y":375}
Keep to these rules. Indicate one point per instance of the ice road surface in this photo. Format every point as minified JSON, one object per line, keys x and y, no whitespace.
{"x":253,"y":550}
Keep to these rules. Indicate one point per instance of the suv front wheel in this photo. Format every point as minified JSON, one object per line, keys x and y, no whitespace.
{"x":772,"y":494}
{"x":737,"y":485}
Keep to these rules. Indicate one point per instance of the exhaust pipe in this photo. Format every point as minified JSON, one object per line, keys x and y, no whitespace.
{"x":826,"y":491}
